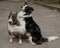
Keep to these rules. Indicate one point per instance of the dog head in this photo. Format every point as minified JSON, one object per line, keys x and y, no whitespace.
{"x":12,"y":19}
{"x":27,"y":9}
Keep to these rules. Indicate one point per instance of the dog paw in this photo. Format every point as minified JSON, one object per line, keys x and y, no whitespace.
{"x":33,"y":44}
{"x":11,"y":41}
{"x":20,"y":42}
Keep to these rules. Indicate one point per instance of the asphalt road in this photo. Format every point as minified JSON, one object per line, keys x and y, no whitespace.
{"x":48,"y":20}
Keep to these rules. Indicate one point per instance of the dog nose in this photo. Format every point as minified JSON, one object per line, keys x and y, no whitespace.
{"x":10,"y":22}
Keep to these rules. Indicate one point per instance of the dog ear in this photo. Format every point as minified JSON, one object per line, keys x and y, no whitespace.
{"x":16,"y":13}
{"x":21,"y":7}
{"x":10,"y":15}
{"x":25,"y":3}
{"x":32,"y":9}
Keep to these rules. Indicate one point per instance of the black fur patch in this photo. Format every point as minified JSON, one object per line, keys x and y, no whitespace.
{"x":34,"y":30}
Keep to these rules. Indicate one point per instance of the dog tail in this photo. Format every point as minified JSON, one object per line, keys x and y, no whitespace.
{"x":49,"y":39}
{"x":52,"y":38}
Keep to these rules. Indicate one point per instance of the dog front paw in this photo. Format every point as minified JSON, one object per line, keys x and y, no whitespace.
{"x":11,"y":40}
{"x":20,"y":41}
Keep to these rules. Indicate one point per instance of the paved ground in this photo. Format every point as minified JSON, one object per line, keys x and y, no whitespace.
{"x":48,"y":20}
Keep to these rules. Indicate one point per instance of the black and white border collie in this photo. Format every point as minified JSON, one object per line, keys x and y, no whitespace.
{"x":32,"y":30}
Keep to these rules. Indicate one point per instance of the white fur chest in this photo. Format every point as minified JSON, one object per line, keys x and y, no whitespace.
{"x":22,"y":24}
{"x":21,"y":20}
{"x":14,"y":28}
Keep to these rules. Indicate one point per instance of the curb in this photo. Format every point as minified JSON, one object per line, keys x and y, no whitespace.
{"x":48,"y":6}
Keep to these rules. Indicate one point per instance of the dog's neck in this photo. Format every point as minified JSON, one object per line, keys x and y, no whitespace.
{"x":22,"y":14}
